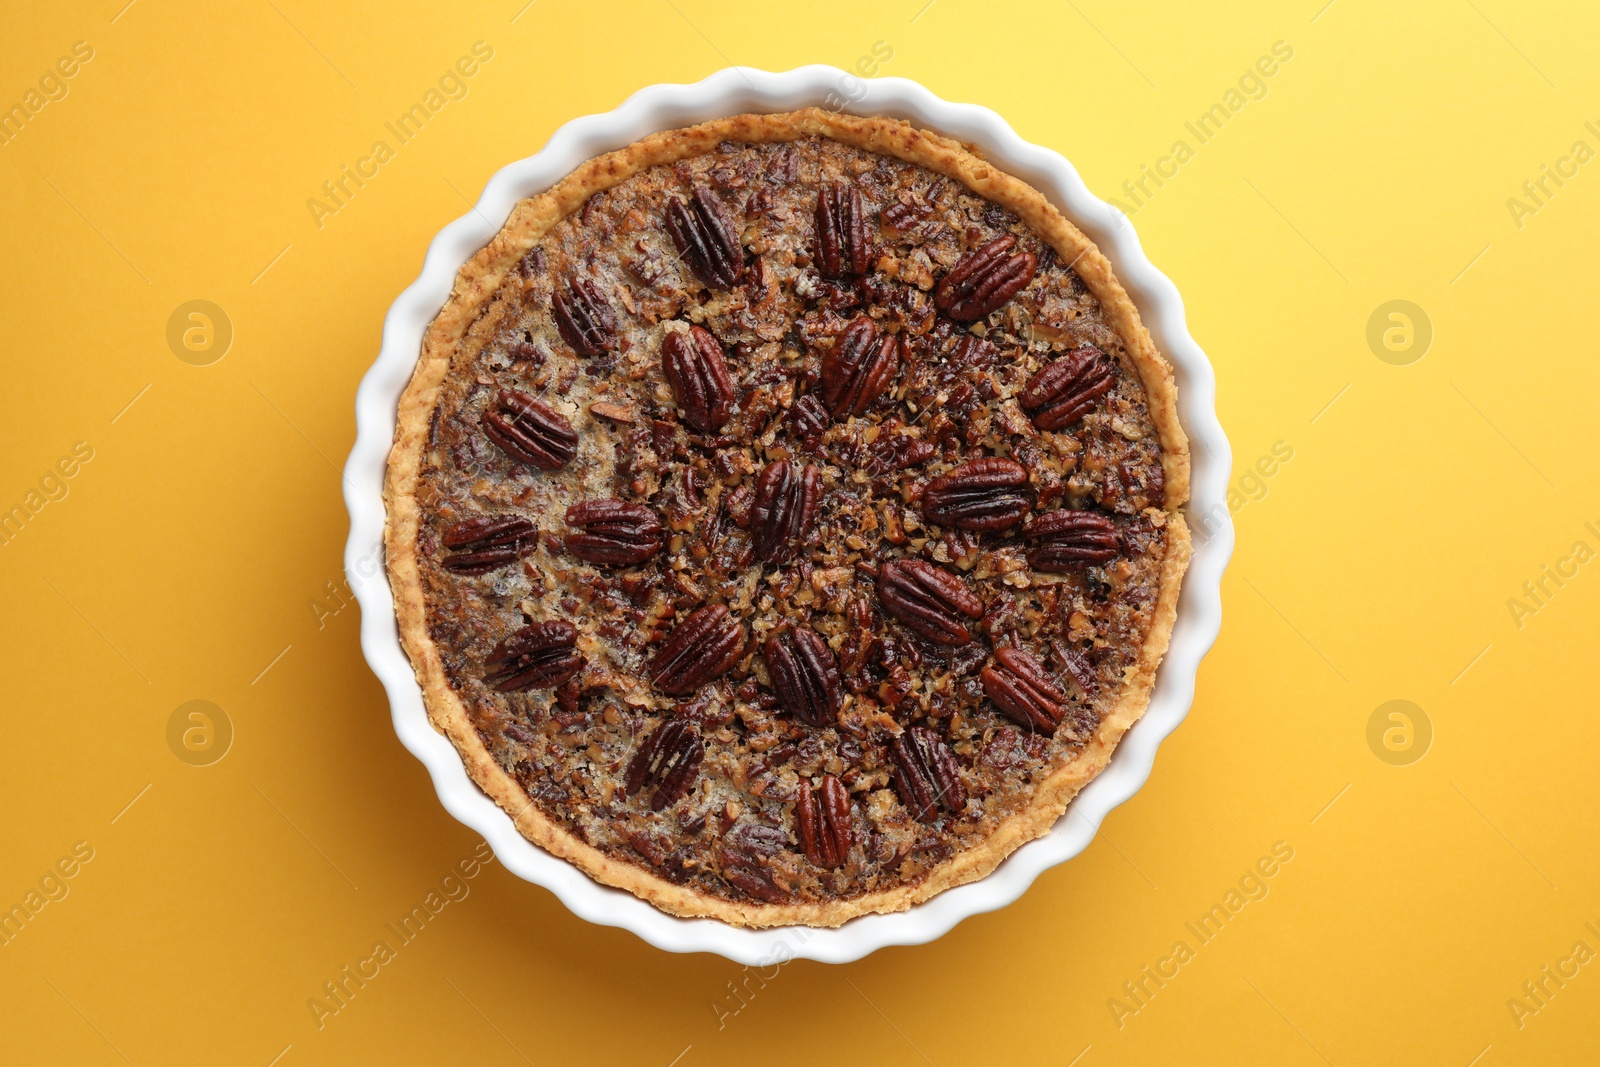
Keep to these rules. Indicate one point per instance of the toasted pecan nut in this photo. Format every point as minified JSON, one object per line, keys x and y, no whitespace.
{"x":1065,"y":391}
{"x":706,"y":238}
{"x":807,"y":420}
{"x":529,"y":430}
{"x":823,"y":826}
{"x":613,"y":531}
{"x":539,"y":656}
{"x":805,"y":676}
{"x":584,"y":317}
{"x":485,"y":542}
{"x":897,"y":452}
{"x":697,"y":373}
{"x":1021,"y":687}
{"x":785,"y":505}
{"x":928,"y":599}
{"x":925,"y":774}
{"x":860,"y":367}
{"x":667,"y":761}
{"x":1061,"y":539}
{"x":984,"y":279}
{"x":842,"y":243}
{"x":1075,"y":664}
{"x":747,"y":855}
{"x":986,"y":494}
{"x":700,"y":649}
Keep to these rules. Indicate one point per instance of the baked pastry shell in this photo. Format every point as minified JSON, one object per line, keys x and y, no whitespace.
{"x":732,"y":92}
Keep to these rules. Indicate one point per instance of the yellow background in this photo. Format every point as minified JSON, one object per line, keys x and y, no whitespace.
{"x":191,"y":552}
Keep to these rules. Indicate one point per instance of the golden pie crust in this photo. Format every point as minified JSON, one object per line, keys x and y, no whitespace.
{"x":456,"y":330}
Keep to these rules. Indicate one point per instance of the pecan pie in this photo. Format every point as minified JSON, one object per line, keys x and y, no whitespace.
{"x":785,"y":517}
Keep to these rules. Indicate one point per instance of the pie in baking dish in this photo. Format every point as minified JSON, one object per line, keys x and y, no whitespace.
{"x":784,"y":517}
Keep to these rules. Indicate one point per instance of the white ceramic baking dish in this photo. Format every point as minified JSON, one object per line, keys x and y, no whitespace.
{"x":728,"y":92}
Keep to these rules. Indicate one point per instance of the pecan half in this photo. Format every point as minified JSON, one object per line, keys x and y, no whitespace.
{"x":1063,"y":538}
{"x":808,"y":419}
{"x":700,"y":649}
{"x":928,"y":599}
{"x":1076,"y":664}
{"x":697,"y":373}
{"x":531,"y":431}
{"x":747,"y":855}
{"x":786,"y":503}
{"x":706,"y":238}
{"x":925,"y":774}
{"x":485,"y":542}
{"x":805,"y":676}
{"x":1065,"y":391}
{"x":613,"y":531}
{"x":842,"y":244}
{"x":824,"y":827}
{"x":540,"y":656}
{"x":897,"y":452}
{"x":984,"y":279}
{"x":584,"y":317}
{"x":986,"y":494}
{"x":1021,"y":687}
{"x":860,"y":367}
{"x":668,"y":761}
